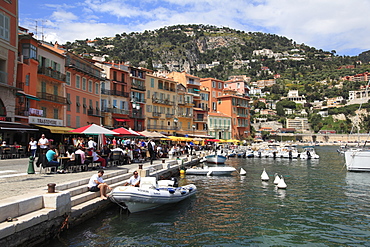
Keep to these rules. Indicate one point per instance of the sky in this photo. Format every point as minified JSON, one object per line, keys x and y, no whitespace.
{"x":339,"y":25}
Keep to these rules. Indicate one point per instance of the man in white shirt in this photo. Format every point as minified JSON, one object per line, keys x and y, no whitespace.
{"x":134,"y":180}
{"x":43,"y":144}
{"x":96,"y":183}
{"x":91,"y":143}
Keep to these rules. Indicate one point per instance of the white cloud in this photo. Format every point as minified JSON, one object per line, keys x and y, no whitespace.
{"x":330,"y":25}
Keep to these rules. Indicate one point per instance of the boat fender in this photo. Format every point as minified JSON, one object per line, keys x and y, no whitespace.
{"x":183,"y":192}
{"x":190,"y":189}
{"x":171,"y":190}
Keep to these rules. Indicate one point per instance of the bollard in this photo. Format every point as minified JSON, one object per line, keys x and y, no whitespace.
{"x":51,"y":188}
{"x":163,"y":161}
{"x":31,"y":169}
{"x":141,"y":166}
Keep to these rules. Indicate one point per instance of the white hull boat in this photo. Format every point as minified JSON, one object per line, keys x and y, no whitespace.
{"x":211,"y":170}
{"x":150,"y":194}
{"x":216,"y":159}
{"x":309,"y":153}
{"x":357,"y":160}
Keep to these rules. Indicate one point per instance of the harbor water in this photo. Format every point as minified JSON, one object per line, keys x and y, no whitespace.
{"x":323,"y":205}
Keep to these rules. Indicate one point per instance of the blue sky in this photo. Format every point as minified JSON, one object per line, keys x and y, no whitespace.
{"x":339,"y":25}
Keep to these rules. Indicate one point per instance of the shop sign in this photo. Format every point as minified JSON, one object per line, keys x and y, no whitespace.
{"x":45,"y":121}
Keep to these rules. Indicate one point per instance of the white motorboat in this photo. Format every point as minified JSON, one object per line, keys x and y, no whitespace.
{"x":216,"y":158}
{"x":308,"y":153}
{"x":150,"y":194}
{"x":211,"y":170}
{"x":357,"y":160}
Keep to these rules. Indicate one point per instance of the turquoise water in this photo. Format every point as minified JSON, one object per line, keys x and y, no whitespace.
{"x":324,"y":205}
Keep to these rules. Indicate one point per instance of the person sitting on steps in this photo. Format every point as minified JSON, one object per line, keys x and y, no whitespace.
{"x":96,"y":183}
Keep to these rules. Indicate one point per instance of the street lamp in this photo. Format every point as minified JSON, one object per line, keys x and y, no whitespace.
{"x":135,"y":110}
{"x":193,"y":126}
{"x":175,"y":120}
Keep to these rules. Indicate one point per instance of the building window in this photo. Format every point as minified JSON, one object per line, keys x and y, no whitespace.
{"x":78,"y":81}
{"x":4,"y":26}
{"x":68,"y":78}
{"x":43,"y":111}
{"x":96,"y":88}
{"x":78,"y":104}
{"x":220,"y":85}
{"x":69,"y":102}
{"x":148,"y":94}
{"x":68,"y":120}
{"x":56,"y":114}
{"x":27,"y":80}
{"x":78,"y":121}
{"x":151,"y":82}
{"x":84,"y":83}
{"x":90,"y":86}
{"x":213,"y":84}
{"x":84,"y":106}
{"x":29,"y":51}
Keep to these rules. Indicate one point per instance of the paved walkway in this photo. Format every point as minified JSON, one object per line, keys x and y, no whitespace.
{"x":15,"y":181}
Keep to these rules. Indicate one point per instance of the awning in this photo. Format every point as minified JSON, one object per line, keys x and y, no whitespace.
{"x":28,"y":95}
{"x":56,"y":129}
{"x":15,"y":127}
{"x":122,"y":120}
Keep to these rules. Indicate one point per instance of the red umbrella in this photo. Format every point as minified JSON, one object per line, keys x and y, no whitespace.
{"x":212,"y":140}
{"x":93,"y":129}
{"x":126,"y":132}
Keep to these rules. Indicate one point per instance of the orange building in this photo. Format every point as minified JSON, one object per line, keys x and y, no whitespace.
{"x":238,"y":108}
{"x":215,"y":88}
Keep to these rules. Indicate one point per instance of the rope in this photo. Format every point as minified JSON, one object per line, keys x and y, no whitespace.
{"x":121,"y":206}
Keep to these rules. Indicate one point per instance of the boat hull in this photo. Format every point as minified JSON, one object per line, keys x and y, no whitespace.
{"x":139,"y":199}
{"x":216,"y":159}
{"x":214,"y":171}
{"x":357,"y":160}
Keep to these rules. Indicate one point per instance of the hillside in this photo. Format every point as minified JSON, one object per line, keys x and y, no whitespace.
{"x":209,"y":51}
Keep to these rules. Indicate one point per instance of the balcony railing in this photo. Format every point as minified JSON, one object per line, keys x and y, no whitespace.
{"x":22,"y":111}
{"x":137,"y":85}
{"x":162,"y":101}
{"x":169,"y":115}
{"x":116,"y":111}
{"x":95,"y":113}
{"x":137,"y":115}
{"x":20,"y":85}
{"x":156,"y":114}
{"x":115,"y":92}
{"x":3,"y":77}
{"x":52,"y":73}
{"x":200,"y":119}
{"x":52,"y":97}
{"x":161,"y":127}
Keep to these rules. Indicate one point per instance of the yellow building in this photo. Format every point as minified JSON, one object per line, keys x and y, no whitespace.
{"x":161,"y":104}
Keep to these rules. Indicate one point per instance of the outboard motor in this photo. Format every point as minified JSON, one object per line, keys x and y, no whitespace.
{"x":308,"y":154}
{"x":290,"y":154}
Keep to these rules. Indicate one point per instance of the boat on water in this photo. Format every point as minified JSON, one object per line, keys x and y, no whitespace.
{"x":308,"y":153}
{"x":210,"y":170}
{"x":357,"y":160}
{"x":150,"y":194}
{"x":216,"y":158}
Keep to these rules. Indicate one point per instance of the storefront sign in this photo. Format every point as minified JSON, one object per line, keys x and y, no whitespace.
{"x":35,"y":112}
{"x":45,"y":121}
{"x":7,"y":119}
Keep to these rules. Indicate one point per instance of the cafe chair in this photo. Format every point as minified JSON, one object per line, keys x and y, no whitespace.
{"x":116,"y":158}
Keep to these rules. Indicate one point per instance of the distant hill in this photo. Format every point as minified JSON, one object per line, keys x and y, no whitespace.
{"x":209,"y":51}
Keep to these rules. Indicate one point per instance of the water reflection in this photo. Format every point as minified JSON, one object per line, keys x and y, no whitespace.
{"x":323,"y":206}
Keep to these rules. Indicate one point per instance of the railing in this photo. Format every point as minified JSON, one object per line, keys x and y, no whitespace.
{"x":115,"y":92}
{"x":161,"y":127}
{"x":137,"y":115}
{"x":116,"y":111}
{"x":156,"y":114}
{"x":169,"y":115}
{"x":52,"y":73}
{"x":20,"y":85}
{"x":200,"y":119}
{"x":94,"y":113}
{"x":22,"y":111}
{"x":3,"y":77}
{"x":162,"y":101}
{"x":219,"y":127}
{"x":138,"y":85}
{"x":52,"y":97}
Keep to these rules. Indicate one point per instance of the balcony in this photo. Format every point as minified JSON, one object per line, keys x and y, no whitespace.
{"x":168,"y":115}
{"x":137,"y":115}
{"x":139,"y":85}
{"x":156,"y":114}
{"x":162,"y":101}
{"x":52,"y":97}
{"x":115,"y":92}
{"x":117,"y":111}
{"x":52,"y":73}
{"x":189,"y":103}
{"x":200,"y":119}
{"x":161,"y":127}
{"x":20,"y":85}
{"x":22,"y":111}
{"x":3,"y":77}
{"x":94,"y":113}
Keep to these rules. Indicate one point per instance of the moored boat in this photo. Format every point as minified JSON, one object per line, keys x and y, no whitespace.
{"x":309,"y":153}
{"x":150,"y":194}
{"x":357,"y":160}
{"x":211,"y":170}
{"x":216,"y":158}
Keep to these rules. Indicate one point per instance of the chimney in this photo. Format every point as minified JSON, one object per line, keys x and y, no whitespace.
{"x":56,"y":45}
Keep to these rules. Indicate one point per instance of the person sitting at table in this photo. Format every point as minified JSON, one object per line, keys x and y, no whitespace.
{"x":97,"y":158}
{"x":4,"y":144}
{"x":51,"y":157}
{"x":72,"y":158}
{"x":81,"y":151}
{"x":106,"y":153}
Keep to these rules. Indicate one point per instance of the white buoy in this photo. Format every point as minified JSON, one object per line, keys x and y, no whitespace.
{"x":264,"y":176}
{"x":281,"y":184}
{"x":277,"y":179}
{"x":243,"y":172}
{"x":209,"y":173}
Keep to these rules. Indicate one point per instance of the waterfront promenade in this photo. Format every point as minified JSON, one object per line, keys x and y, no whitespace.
{"x":15,"y":180}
